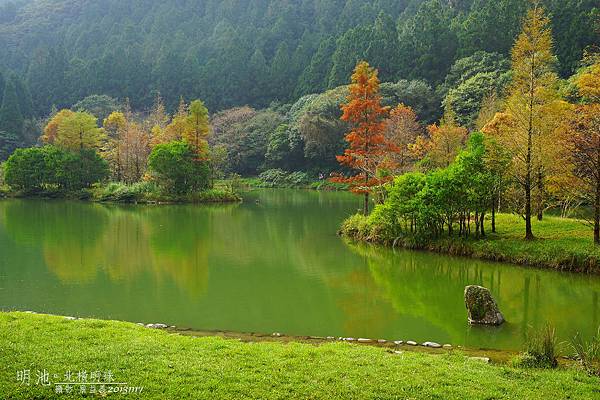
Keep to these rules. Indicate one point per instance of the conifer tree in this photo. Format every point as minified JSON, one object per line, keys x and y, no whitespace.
{"x":526,"y":126}
{"x":367,"y":144}
{"x":198,"y":127}
{"x":11,"y":120}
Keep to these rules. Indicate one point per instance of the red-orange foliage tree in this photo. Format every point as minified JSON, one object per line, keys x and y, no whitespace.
{"x":367,"y":144}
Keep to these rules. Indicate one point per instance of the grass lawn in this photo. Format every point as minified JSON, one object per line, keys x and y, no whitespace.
{"x":561,"y":243}
{"x":181,"y":367}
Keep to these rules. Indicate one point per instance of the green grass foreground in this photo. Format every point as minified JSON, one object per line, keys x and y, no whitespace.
{"x":561,"y":243}
{"x":181,"y":367}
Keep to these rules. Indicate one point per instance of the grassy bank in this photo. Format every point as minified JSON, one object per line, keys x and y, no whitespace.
{"x":561,"y":243}
{"x":143,"y":193}
{"x":174,"y":366}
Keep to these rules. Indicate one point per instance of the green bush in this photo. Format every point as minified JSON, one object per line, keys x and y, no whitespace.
{"x":78,"y":170}
{"x":214,"y":196}
{"x":540,"y":349}
{"x":273,"y":178}
{"x":588,"y":352}
{"x":123,"y":193}
{"x":420,"y":207}
{"x":27,"y":169}
{"x":49,"y":168}
{"x":176,"y":169}
{"x":280,"y":178}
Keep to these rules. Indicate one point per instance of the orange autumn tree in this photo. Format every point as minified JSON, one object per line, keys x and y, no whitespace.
{"x":367,"y":144}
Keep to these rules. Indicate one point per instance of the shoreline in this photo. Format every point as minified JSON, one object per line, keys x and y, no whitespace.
{"x":564,"y":249}
{"x":213,"y":196}
{"x":215,"y":367}
{"x":492,"y":355}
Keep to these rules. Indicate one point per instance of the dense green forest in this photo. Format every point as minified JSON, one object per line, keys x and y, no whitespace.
{"x":232,"y":53}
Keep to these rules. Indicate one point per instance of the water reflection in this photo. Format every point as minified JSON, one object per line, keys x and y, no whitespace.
{"x":429,"y":288}
{"x":70,"y":249}
{"x":273,"y":263}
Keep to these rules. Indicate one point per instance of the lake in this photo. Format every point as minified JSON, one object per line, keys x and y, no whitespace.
{"x":271,"y":264}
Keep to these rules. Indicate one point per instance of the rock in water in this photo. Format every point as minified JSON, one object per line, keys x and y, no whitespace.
{"x":482,"y":307}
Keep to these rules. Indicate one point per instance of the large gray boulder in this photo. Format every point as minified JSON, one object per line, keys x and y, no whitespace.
{"x":482,"y":307}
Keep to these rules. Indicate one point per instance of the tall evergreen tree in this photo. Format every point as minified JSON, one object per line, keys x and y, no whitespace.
{"x":314,"y":77}
{"x":382,"y":52}
{"x":11,"y":120}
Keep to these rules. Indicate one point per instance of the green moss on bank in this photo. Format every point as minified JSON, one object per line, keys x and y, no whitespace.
{"x":561,"y":243}
{"x":174,"y":366}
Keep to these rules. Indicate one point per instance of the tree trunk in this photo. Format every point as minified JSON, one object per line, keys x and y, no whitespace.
{"x":366,"y":206}
{"x":468,"y":231}
{"x":528,"y":230}
{"x":494,"y":216}
{"x":540,"y":196}
{"x":482,"y":221}
{"x":597,"y":210}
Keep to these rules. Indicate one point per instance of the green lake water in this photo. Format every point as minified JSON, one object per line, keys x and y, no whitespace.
{"x":271,"y":264}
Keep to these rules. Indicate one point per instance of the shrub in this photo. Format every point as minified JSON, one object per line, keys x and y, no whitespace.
{"x":298,"y":179}
{"x":36,"y":168}
{"x":176,"y":169}
{"x":26,"y":169}
{"x":273,"y":178}
{"x":540,"y":349}
{"x":214,"y":196}
{"x":123,"y":193}
{"x":78,"y":170}
{"x":280,"y":178}
{"x":588,"y":352}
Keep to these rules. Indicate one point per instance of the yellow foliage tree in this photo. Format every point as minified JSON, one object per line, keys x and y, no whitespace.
{"x":402,"y":130}
{"x":51,"y":129}
{"x":532,"y":111}
{"x":78,"y":131}
{"x":114,"y":125}
{"x":198,"y":129}
{"x":444,"y":142}
{"x":177,"y":129}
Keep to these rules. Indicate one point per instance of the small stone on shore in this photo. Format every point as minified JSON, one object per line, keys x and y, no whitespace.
{"x":276,"y":334}
{"x":433,"y":345}
{"x":363,"y":340}
{"x":398,"y":342}
{"x":447,"y":346}
{"x":381,"y":341}
{"x":411,"y":343}
{"x":156,"y":326}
